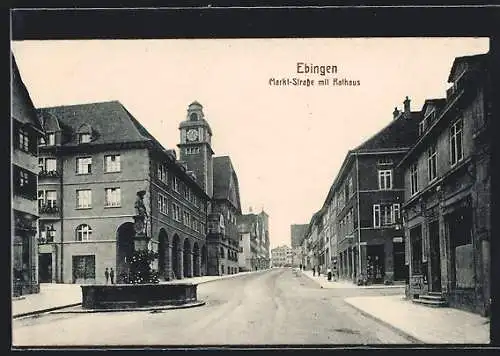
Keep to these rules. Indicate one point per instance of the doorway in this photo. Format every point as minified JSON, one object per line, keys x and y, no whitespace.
{"x":435,"y":256}
{"x":375,"y":263}
{"x":45,"y":267}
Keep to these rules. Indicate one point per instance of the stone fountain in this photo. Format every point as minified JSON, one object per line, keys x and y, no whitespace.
{"x":142,"y":288}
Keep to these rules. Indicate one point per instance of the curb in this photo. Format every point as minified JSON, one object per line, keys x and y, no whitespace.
{"x":412,"y":338}
{"x":164,"y":307}
{"x":353,"y":286}
{"x":41,"y":311}
{"x":231,"y":276}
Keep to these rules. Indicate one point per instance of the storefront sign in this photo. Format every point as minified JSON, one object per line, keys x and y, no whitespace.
{"x":397,"y":239}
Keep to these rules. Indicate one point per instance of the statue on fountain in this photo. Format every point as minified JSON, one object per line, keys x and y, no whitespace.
{"x":140,"y":214}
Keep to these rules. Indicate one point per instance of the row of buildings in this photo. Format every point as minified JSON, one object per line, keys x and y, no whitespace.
{"x":254,"y":241}
{"x":412,"y":203}
{"x":76,"y":173}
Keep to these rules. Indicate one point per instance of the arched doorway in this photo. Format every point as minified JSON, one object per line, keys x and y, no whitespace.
{"x":176,"y":258}
{"x":124,"y":249}
{"x":163,"y":256}
{"x":204,"y":260}
{"x":196,"y":260}
{"x":188,"y":259}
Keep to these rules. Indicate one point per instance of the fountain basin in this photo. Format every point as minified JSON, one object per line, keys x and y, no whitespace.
{"x":122,"y":296}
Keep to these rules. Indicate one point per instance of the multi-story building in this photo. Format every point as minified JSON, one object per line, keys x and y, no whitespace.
{"x":263,"y":260}
{"x":448,"y":193}
{"x":26,"y":130}
{"x":254,"y":254}
{"x":93,"y":161}
{"x":217,"y":177}
{"x":368,"y":192}
{"x":282,"y":256}
{"x":297,"y":234}
{"x":223,"y":237}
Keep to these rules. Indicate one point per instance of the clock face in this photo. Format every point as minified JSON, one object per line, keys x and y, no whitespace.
{"x":192,"y":135}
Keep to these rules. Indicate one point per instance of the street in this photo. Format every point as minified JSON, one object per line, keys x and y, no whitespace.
{"x":276,"y":306}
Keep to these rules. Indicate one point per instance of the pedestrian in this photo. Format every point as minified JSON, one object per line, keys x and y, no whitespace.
{"x":329,"y":273}
{"x":314,"y":271}
{"x":106,"y":274}
{"x":112,"y":276}
{"x":319,"y":271}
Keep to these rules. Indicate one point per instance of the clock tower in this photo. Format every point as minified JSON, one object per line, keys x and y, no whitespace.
{"x":195,"y":146}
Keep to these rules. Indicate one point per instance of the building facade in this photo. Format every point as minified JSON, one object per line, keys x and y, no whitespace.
{"x":282,"y":256}
{"x":93,"y":161}
{"x":26,"y":130}
{"x":448,"y":192}
{"x":297,"y":234}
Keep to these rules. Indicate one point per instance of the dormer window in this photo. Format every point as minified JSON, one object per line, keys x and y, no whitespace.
{"x":84,"y":138}
{"x":84,"y":134}
{"x":421,"y":127}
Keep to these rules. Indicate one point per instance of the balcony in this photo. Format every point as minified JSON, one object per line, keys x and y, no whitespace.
{"x":45,"y":240}
{"x":48,"y":174}
{"x":48,"y":209}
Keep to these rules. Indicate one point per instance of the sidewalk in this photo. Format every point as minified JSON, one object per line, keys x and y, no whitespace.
{"x":55,"y":296}
{"x":324,"y":283}
{"x":425,"y":324}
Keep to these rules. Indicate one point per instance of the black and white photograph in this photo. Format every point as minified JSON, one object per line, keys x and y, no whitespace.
{"x":251,"y":191}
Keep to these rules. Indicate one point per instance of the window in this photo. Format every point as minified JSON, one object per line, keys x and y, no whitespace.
{"x":432,"y":162}
{"x":47,"y":164}
{"x":112,"y":163}
{"x":385,"y":179}
{"x":421,"y":127}
{"x":23,"y":179}
{"x":84,"y":137}
{"x":192,"y":150}
{"x":51,"y":198}
{"x":414,"y":179}
{"x":385,"y":214}
{"x":51,"y":139}
{"x":24,"y":143}
{"x":456,"y":149}
{"x":162,"y":204}
{"x":24,"y":183}
{"x":176,"y":184}
{"x":83,"y":198}
{"x":186,"y":218}
{"x":83,"y":233}
{"x":162,"y":173}
{"x":396,"y":213}
{"x":84,"y":165}
{"x":177,"y":212}
{"x":384,"y":161}
{"x":113,"y":197}
{"x":350,"y":187}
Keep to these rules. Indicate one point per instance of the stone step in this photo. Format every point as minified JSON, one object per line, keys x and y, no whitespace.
{"x":435,"y":293}
{"x":431,"y":303}
{"x":432,"y":297}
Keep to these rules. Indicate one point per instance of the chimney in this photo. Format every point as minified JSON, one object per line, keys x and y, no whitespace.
{"x":407,"y":105}
{"x":395,"y":113}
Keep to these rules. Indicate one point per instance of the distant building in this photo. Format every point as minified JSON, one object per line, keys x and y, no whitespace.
{"x":26,"y":130}
{"x":297,"y":234}
{"x":254,"y":235}
{"x":447,"y":205}
{"x":282,"y":256}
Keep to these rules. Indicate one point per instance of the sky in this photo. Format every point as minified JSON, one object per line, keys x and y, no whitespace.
{"x":286,"y":143}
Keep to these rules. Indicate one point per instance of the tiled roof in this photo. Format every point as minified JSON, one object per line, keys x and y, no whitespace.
{"x":110,"y":123}
{"x":224,"y":174}
{"x":399,"y":133}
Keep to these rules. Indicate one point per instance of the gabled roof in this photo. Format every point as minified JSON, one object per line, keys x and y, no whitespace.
{"x":226,"y":185}
{"x":23,"y":109}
